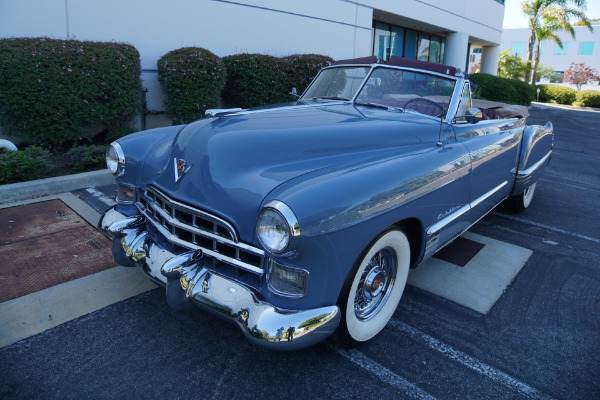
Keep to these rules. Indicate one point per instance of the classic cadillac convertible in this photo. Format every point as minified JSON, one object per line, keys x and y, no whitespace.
{"x":300,"y":220}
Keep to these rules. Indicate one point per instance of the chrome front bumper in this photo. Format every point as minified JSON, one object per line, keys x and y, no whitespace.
{"x":190,"y":283}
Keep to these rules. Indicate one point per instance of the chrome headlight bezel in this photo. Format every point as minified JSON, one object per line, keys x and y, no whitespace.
{"x":277,"y":219}
{"x":115,"y":159}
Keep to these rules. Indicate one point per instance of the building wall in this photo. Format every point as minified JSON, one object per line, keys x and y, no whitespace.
{"x":517,"y":39}
{"x":337,"y":28}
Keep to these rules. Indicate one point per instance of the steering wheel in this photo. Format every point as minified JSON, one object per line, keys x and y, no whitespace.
{"x":416,"y":99}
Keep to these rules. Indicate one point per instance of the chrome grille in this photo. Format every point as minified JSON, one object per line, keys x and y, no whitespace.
{"x":195,"y":229}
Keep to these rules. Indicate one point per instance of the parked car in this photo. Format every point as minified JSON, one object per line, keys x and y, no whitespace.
{"x":299,"y":220}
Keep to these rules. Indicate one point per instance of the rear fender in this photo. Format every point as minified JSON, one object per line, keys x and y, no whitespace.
{"x":534,"y":156}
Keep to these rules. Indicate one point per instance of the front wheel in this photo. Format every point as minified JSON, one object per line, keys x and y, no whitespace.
{"x":369,"y":299}
{"x":521,"y":201}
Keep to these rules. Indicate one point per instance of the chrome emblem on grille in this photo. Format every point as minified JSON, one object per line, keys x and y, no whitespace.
{"x":180,"y":169}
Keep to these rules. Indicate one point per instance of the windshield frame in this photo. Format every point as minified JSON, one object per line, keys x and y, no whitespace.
{"x":451,"y":107}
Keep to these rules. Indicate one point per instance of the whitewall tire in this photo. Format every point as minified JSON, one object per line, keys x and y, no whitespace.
{"x":521,"y":201}
{"x":370,"y":298}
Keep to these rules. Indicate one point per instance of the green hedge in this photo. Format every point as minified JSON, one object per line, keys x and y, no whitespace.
{"x":254,"y":80}
{"x":300,"y":69}
{"x":505,"y":90}
{"x":192,"y":79}
{"x":258,"y":79}
{"x":557,"y":94}
{"x":51,"y":90}
{"x":588,"y":98}
{"x":23,"y":165}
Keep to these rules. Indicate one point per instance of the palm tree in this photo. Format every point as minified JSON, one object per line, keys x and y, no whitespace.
{"x":564,"y":10}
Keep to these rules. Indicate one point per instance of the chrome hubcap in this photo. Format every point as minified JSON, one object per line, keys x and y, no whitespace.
{"x":375,"y":284}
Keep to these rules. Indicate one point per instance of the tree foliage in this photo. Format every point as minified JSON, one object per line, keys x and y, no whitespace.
{"x":546,"y":17}
{"x":511,"y":69}
{"x":579,"y":74}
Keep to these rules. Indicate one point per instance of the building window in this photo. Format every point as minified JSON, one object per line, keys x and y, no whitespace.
{"x":516,"y":47}
{"x":423,"y":52}
{"x":390,"y":40}
{"x":561,"y":52}
{"x":477,"y":50}
{"x":586,"y":48}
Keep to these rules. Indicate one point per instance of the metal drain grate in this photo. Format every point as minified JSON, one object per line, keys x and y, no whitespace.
{"x":460,"y":251}
{"x":45,"y":244}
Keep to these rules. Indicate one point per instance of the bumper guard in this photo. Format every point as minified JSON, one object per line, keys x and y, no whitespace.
{"x":190,"y":284}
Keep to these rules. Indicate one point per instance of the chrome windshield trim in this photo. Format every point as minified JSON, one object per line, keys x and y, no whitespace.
{"x":441,"y":224}
{"x":535,"y":166}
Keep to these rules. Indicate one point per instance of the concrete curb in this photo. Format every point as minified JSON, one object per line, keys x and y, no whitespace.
{"x":535,"y":104}
{"x":59,"y":184}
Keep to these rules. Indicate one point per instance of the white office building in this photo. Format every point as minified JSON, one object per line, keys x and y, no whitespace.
{"x":435,"y":30}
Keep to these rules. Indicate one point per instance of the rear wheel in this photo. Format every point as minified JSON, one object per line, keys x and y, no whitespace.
{"x":374,"y":288}
{"x":521,"y":201}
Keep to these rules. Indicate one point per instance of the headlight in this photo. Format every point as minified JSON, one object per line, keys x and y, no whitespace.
{"x":115,"y":159}
{"x":277,"y":227}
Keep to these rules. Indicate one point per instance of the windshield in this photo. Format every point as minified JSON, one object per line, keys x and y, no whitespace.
{"x":337,"y":83}
{"x":408,"y":90}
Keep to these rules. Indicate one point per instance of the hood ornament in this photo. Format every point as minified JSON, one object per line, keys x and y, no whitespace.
{"x":180,"y":169}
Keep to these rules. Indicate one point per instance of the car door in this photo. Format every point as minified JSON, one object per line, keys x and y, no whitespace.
{"x":493,"y":146}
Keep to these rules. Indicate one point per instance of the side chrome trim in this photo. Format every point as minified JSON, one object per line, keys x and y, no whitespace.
{"x":535,"y":166}
{"x":439,"y":225}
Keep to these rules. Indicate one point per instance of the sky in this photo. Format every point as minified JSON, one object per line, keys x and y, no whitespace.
{"x":514,"y":18}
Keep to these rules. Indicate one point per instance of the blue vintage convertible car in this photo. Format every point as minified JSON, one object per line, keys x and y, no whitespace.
{"x":300,"y":220}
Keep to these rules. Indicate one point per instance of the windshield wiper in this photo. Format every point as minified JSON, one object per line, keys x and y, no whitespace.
{"x":389,"y":108}
{"x":331,"y":98}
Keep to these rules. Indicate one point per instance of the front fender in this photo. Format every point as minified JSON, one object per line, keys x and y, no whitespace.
{"x":146,"y":153}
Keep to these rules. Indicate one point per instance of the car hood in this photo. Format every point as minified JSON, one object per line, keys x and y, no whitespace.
{"x":235,"y":161}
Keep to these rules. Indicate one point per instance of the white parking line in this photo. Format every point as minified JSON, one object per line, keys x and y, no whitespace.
{"x":384,"y":374}
{"x":468,"y":361}
{"x":561,"y":181}
{"x":100,"y":196}
{"x":548,"y":227}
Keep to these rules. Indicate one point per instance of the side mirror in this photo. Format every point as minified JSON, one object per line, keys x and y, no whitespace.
{"x":472,"y":116}
{"x":294,"y":93}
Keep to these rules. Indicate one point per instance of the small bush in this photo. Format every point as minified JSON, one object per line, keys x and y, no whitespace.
{"x":254,"y":80}
{"x":51,"y":90}
{"x":81,"y":157}
{"x":506,"y":90}
{"x":24,"y":165}
{"x":557,"y":94}
{"x":588,"y":98}
{"x":192,"y":79}
{"x":300,"y":69}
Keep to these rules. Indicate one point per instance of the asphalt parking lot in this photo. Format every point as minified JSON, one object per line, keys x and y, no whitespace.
{"x":540,"y":340}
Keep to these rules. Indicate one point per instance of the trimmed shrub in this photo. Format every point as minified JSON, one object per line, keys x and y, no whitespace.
{"x":254,"y":80}
{"x":24,"y":165}
{"x":192,"y":79}
{"x":505,"y":90}
{"x":300,"y":69}
{"x":588,"y":98}
{"x":81,"y":157}
{"x":51,"y":90}
{"x":557,"y":94}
